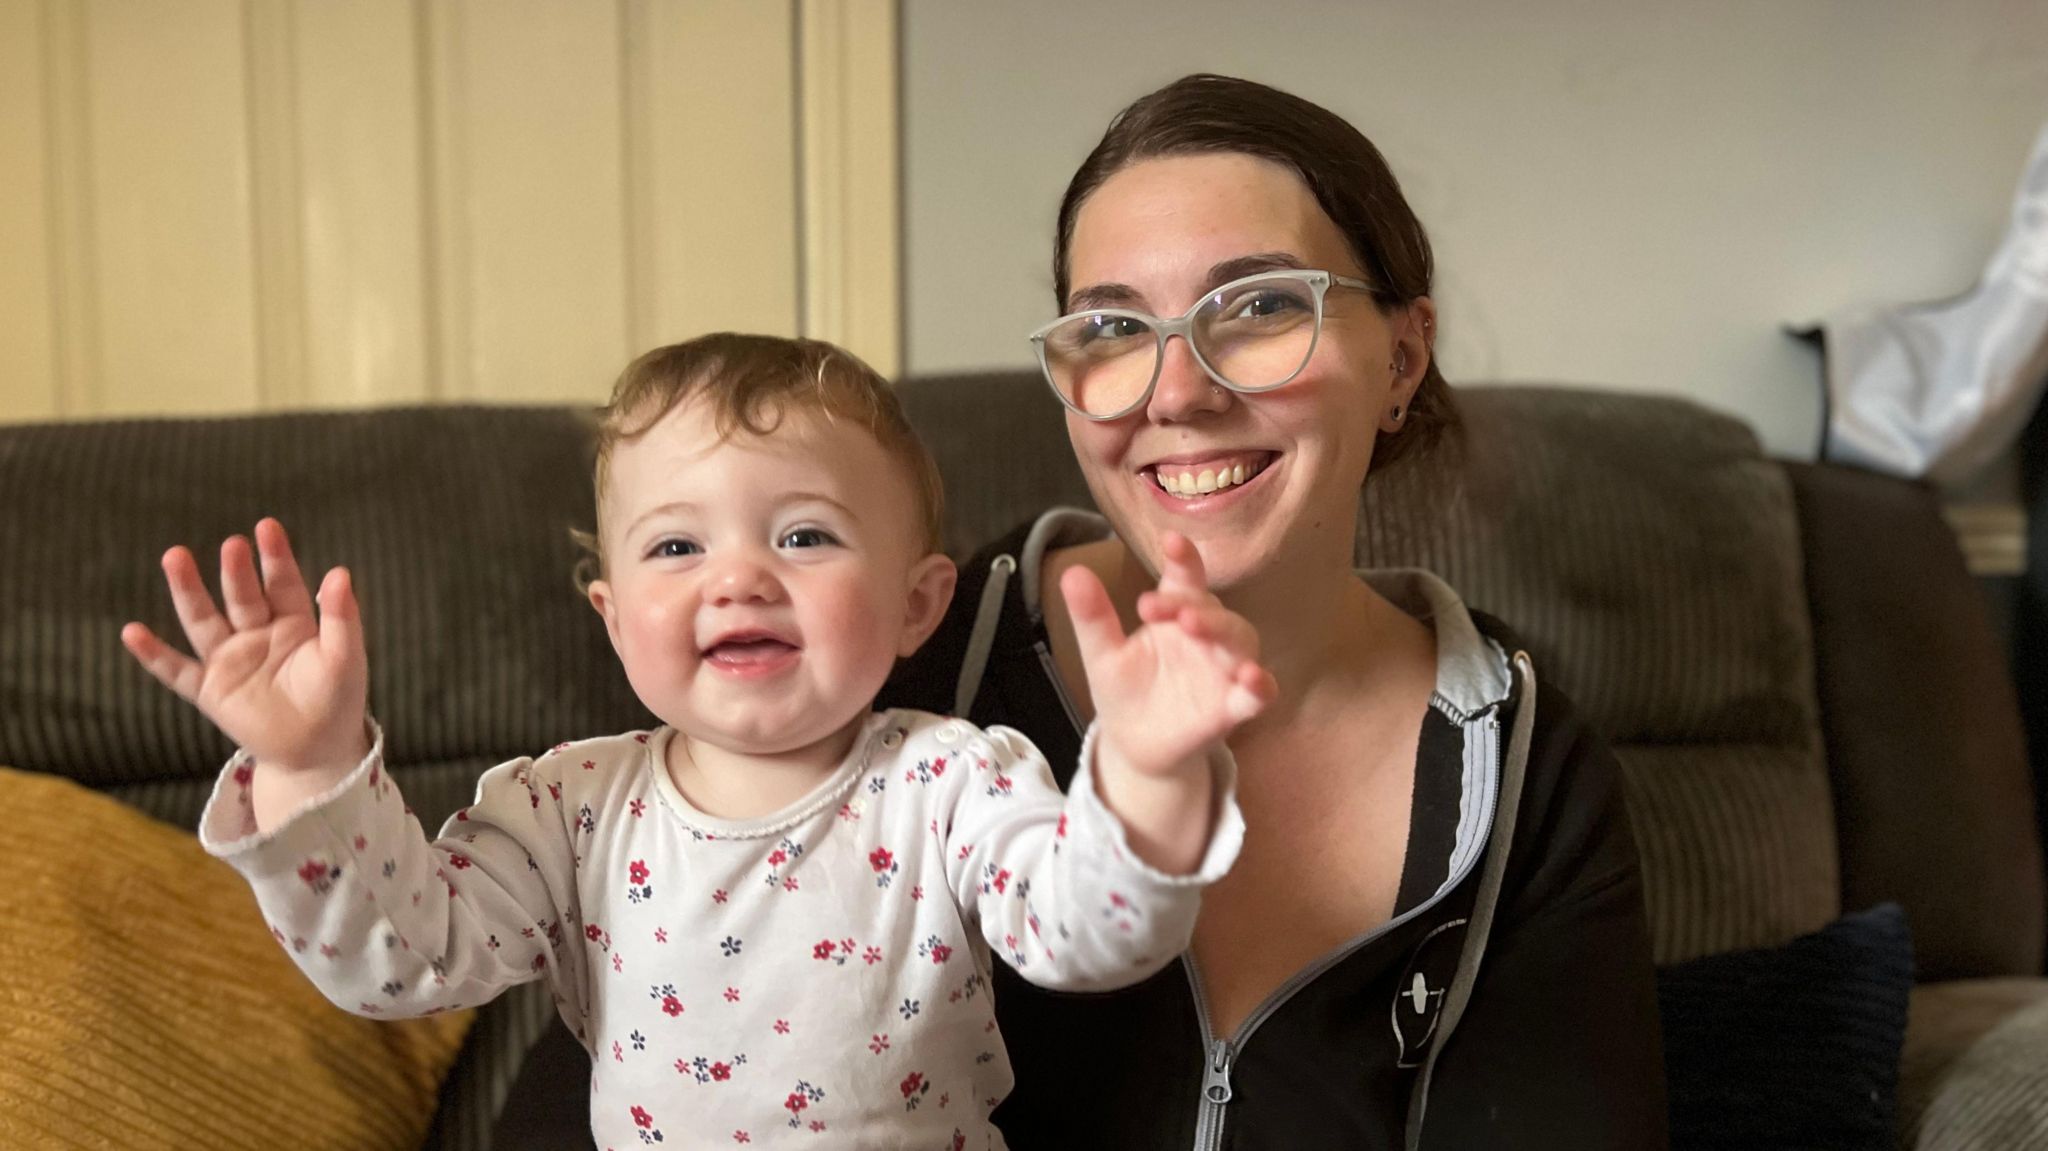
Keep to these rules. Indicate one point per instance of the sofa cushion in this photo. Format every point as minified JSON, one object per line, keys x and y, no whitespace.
{"x":1975,"y":1073}
{"x":1648,"y":554}
{"x":1790,"y":1047}
{"x":146,"y":1004}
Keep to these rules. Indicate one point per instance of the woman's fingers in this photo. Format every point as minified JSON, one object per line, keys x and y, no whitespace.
{"x":241,"y":593}
{"x":283,"y":583}
{"x":204,"y":626}
{"x":1097,"y":631}
{"x":171,"y":667}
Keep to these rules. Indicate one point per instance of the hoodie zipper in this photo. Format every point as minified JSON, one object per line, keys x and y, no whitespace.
{"x":1220,"y":1053}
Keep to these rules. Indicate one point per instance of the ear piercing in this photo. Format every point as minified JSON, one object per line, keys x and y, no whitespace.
{"x":1397,"y":413}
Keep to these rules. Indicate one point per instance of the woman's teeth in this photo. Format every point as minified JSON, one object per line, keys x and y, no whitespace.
{"x":1200,"y":482}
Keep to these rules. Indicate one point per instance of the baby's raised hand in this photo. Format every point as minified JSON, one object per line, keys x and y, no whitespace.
{"x":288,"y":688}
{"x":1179,"y":684}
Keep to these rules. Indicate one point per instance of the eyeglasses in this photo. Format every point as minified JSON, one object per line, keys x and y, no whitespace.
{"x":1250,"y":335}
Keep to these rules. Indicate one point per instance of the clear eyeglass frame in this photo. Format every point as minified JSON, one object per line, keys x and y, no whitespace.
{"x":1319,"y":282}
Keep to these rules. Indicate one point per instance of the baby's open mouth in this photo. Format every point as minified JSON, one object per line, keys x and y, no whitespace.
{"x":742,"y":650}
{"x":1190,"y":480}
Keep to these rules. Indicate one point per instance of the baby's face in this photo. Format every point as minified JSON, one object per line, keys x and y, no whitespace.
{"x":759,"y":590}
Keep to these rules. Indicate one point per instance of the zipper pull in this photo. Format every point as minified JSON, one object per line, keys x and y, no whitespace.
{"x":1216,"y":1076}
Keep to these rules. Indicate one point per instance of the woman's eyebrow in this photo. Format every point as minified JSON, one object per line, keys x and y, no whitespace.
{"x":1238,"y":267}
{"x":1110,"y":295}
{"x":1115,"y":295}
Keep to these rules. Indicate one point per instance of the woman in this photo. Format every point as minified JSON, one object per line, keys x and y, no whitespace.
{"x":1435,"y":935}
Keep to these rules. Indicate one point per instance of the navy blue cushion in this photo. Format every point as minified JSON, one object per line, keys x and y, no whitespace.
{"x":1794,"y":1046}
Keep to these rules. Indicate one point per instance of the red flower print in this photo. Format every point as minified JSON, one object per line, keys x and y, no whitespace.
{"x":817,"y":1124}
{"x":1116,"y":899}
{"x":592,"y":932}
{"x":1002,"y":881}
{"x":939,"y":766}
{"x":590,"y":765}
{"x":941,"y":953}
{"x":619,"y":963}
{"x":742,"y":1137}
{"x":880,"y":859}
{"x":782,"y":1027}
{"x":796,"y":1102}
{"x":912,"y":1082}
{"x":1061,"y":831}
{"x":872,"y":956}
{"x":789,"y":884}
{"x":721,"y":1072}
{"x":638,"y":807}
{"x":671,"y":1006}
{"x":777,"y":858}
{"x":360,"y":842}
{"x":540,"y":962}
{"x":719,"y":896}
{"x":637,"y":871}
{"x":878,"y":1044}
{"x":319,"y":875}
{"x":917,"y":892}
{"x":460,"y":861}
{"x":641,"y":1118}
{"x":823,"y":950}
{"x":732,"y":995}
{"x":661,"y":935}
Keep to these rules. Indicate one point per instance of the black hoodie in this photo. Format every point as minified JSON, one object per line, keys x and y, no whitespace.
{"x":1509,"y":1003}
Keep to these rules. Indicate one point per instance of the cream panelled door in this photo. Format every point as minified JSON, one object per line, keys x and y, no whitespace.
{"x":228,"y":205}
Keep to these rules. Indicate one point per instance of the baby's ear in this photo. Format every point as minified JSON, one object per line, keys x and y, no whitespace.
{"x":600,"y":593}
{"x":931,"y":593}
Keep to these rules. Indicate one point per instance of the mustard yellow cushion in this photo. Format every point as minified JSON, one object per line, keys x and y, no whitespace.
{"x":144,"y":1004}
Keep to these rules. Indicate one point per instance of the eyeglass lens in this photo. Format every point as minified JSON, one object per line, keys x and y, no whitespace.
{"x":1255,"y":335}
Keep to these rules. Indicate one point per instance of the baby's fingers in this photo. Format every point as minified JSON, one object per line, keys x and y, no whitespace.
{"x":282,"y":581}
{"x":1215,"y":624}
{"x":1097,"y":631}
{"x":341,"y":619}
{"x":204,"y":626}
{"x":241,"y":593}
{"x":1251,"y":689}
{"x":1181,"y":565}
{"x":171,"y":667}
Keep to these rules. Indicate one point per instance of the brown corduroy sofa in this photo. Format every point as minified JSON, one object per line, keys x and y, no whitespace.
{"x":1790,"y":661}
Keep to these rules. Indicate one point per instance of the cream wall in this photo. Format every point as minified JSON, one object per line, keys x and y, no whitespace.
{"x":1636,"y":193}
{"x":227,"y":205}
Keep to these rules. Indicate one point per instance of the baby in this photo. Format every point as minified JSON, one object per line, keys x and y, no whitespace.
{"x":770,"y":919}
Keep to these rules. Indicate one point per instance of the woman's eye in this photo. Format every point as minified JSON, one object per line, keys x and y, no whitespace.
{"x":1108,"y":328}
{"x":808,"y":538}
{"x":672,"y":549}
{"x":1260,"y":305}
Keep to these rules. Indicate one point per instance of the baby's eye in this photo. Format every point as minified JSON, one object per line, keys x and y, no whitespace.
{"x":807,"y":538}
{"x":673,"y":548}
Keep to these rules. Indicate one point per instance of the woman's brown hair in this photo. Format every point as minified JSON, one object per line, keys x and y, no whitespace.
{"x":1347,"y":175}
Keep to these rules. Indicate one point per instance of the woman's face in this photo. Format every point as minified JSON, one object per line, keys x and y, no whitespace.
{"x":1156,"y":237}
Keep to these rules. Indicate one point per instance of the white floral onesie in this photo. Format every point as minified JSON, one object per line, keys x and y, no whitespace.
{"x":815,"y":978}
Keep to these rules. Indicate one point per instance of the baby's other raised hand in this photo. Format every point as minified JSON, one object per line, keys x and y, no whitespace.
{"x":289,"y":688}
{"x":1165,"y":696}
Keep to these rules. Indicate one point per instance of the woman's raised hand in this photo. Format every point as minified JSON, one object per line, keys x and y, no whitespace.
{"x":1180,"y":683}
{"x":290,"y":689}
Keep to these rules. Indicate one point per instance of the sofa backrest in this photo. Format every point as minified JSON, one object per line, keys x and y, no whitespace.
{"x":454,"y":522}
